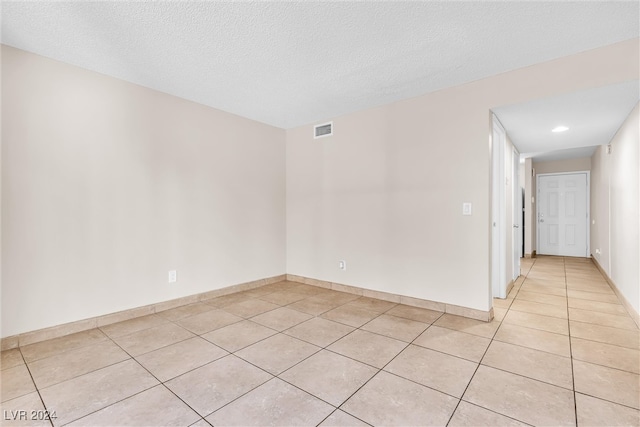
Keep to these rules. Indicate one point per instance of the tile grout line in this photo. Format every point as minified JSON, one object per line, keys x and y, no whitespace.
{"x":35,"y":386}
{"x":573,"y":376}
{"x":480,"y":363}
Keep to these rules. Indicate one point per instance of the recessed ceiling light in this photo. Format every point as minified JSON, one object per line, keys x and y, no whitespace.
{"x":559,"y":129}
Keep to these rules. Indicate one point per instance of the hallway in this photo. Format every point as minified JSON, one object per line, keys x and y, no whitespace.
{"x":594,"y":354}
{"x":561,"y":350}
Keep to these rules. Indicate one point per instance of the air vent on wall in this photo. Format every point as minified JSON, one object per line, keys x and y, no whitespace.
{"x":325,"y":129}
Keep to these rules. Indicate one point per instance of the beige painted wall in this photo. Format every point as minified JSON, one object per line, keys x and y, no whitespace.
{"x":569,"y":165}
{"x":615,"y":212}
{"x":385,"y":193}
{"x":107,"y":185}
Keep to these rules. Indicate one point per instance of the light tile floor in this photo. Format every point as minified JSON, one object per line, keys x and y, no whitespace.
{"x":561,"y":351}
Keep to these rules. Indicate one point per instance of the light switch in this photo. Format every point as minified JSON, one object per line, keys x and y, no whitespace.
{"x":466,"y":208}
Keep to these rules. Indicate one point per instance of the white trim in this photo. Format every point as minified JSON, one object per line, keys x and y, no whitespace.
{"x":516,"y":214}
{"x":498,"y":211}
{"x":320,"y":125}
{"x":588,"y":190}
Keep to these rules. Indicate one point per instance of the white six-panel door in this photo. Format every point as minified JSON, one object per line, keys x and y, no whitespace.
{"x":563,"y":214}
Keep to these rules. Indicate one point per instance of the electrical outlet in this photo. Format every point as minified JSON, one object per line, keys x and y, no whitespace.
{"x":466,"y":208}
{"x":342,"y":265}
{"x":173,"y":276}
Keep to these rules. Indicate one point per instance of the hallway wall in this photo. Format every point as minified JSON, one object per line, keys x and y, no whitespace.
{"x":615,"y":198}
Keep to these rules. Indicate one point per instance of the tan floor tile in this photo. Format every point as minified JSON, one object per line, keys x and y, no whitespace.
{"x":602,"y":288}
{"x":369,"y":348}
{"x":15,"y":382}
{"x":415,"y":313}
{"x":11,"y":358}
{"x":318,"y":331}
{"x":395,"y":327}
{"x":594,"y":296}
{"x":552,"y":276}
{"x":156,"y":406}
{"x":420,"y":405}
{"x":372,"y":304}
{"x":250,"y":308}
{"x":239,"y":335}
{"x":283,"y":297}
{"x":282,"y":286}
{"x":461,"y":344}
{"x":603,"y":319}
{"x":176,"y":359}
{"x":59,"y":345}
{"x":499,"y":313}
{"x":338,"y":297}
{"x":342,"y":419}
{"x":558,"y":283}
{"x":133,"y":325}
{"x":597,"y":412}
{"x":468,"y":415}
{"x":225,"y":300}
{"x":73,"y":363}
{"x":534,"y":338}
{"x":208,"y":321}
{"x":602,"y":307}
{"x":502,"y":303}
{"x":607,"y":383}
{"x":538,"y":308}
{"x":605,"y":334}
{"x":212,"y":386}
{"x":527,"y":362}
{"x":201,"y":423}
{"x":151,"y":339}
{"x":542,"y":289}
{"x":309,"y":290}
{"x":185,"y":311}
{"x":13,"y":417}
{"x":537,"y":321}
{"x":349,"y":315}
{"x":329,"y":376}
{"x":272,"y":404}
{"x":470,"y":326}
{"x":281,"y":318}
{"x":256,"y":293}
{"x":88,"y":393}
{"x":277,"y":353}
{"x":613,"y":356}
{"x":448,"y":374}
{"x":542,"y":298}
{"x":314,"y":306}
{"x":524,"y":399}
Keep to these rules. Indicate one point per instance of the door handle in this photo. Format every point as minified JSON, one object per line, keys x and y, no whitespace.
{"x":542,"y":220}
{"x":516,"y":226}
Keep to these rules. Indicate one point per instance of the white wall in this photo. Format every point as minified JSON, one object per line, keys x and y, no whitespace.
{"x":107,"y":185}
{"x":386,"y":192}
{"x":615,"y":214}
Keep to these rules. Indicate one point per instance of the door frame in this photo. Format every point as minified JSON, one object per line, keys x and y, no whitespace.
{"x":516,"y":235}
{"x":497,"y":222}
{"x":588,"y":222}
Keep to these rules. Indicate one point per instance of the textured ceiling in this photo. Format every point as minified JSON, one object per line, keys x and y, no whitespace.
{"x":593,"y":117}
{"x":292,"y":63}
